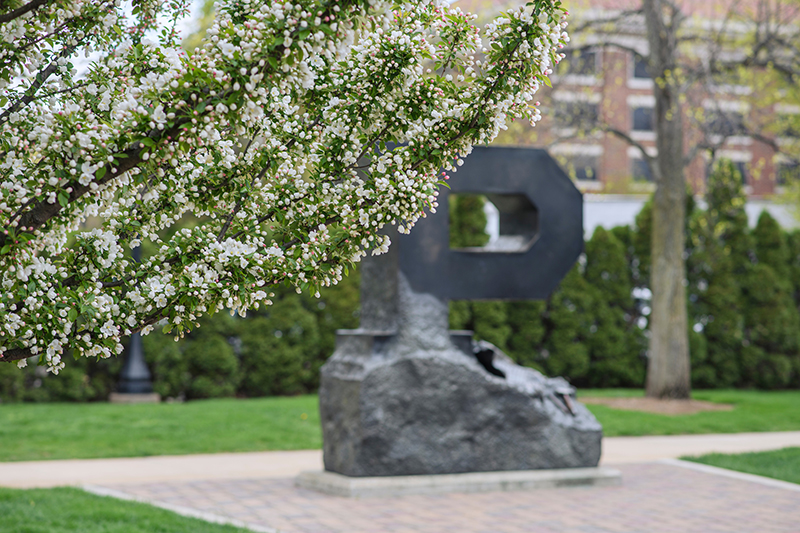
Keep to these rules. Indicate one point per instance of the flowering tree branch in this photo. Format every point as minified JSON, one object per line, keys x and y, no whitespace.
{"x":256,"y":136}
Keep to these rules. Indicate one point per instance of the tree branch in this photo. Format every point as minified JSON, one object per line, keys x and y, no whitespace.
{"x":628,"y":139}
{"x":43,"y":211}
{"x":15,"y":354}
{"x":7,"y":17}
{"x":30,"y":94}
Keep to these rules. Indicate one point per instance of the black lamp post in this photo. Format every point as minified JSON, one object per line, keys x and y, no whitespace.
{"x":135,"y":377}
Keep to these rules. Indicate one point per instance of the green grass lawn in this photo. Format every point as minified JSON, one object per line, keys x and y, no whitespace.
{"x":780,"y":464}
{"x":71,"y":430}
{"x":65,"y":431}
{"x":67,"y":510}
{"x":753,"y":411}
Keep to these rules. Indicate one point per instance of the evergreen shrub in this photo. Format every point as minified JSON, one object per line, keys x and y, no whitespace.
{"x":616,"y":344}
{"x":720,"y":258}
{"x":280,"y":350}
{"x":569,"y":321}
{"x":743,"y":292}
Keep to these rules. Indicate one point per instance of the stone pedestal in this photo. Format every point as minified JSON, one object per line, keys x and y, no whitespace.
{"x":409,"y":402}
{"x":393,"y":486}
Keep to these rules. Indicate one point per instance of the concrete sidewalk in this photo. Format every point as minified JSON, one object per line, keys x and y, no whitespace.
{"x":277,"y":465}
{"x":619,"y":450}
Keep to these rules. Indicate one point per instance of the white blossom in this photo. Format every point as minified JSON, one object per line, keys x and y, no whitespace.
{"x":268,"y":138}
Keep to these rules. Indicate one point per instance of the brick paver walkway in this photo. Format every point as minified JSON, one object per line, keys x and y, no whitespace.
{"x":654,"y":498}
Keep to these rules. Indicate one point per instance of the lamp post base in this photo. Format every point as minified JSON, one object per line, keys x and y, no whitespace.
{"x":126,"y":397}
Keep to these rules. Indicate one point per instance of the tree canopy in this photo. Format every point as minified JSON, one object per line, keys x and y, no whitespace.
{"x":270,"y":138}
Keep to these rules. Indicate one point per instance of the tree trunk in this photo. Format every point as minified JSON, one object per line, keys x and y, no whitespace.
{"x":668,"y":370}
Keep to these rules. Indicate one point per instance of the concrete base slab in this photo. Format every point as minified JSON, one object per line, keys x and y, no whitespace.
{"x":123,"y":397}
{"x":389,"y":486}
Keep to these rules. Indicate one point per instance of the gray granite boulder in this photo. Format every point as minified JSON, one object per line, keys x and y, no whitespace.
{"x":410,"y":401}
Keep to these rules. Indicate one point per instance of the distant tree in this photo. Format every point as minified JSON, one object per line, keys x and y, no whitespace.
{"x":616,"y":344}
{"x":280,"y":351}
{"x":528,"y":330}
{"x":721,"y":250}
{"x":490,"y":322}
{"x":570,"y":320}
{"x":750,"y":45}
{"x":771,"y":354}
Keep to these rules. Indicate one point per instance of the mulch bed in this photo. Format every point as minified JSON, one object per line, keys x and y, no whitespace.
{"x":661,"y":407}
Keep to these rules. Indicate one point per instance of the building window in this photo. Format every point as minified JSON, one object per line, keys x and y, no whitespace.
{"x":640,"y":71}
{"x":576,"y":114}
{"x":579,"y":63}
{"x":726,"y":124}
{"x":643,"y":119}
{"x":640,"y":170}
{"x":581,"y":167}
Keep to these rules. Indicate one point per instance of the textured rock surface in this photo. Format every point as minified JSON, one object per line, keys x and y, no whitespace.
{"x":411,"y":403}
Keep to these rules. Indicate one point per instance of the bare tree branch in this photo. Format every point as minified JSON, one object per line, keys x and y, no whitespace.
{"x":631,"y":141}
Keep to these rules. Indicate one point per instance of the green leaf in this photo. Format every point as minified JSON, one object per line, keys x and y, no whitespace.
{"x":63,"y":198}
{"x":72,"y":314}
{"x":100,"y":173}
{"x":147,"y":141}
{"x":272,"y":61}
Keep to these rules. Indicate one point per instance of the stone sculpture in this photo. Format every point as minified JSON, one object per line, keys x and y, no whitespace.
{"x":403,"y":395}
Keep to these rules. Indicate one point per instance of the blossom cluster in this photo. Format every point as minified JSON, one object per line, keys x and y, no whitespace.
{"x":274,"y":153}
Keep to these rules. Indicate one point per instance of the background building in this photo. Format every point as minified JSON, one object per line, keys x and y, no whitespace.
{"x":604,"y":86}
